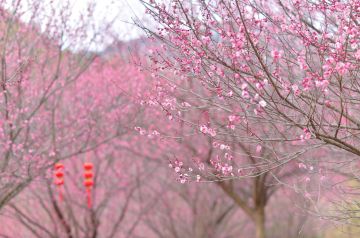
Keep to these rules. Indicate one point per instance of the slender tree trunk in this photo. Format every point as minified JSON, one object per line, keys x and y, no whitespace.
{"x":260,"y":223}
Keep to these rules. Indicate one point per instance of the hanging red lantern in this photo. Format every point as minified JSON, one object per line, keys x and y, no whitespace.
{"x":59,"y":166}
{"x":88,"y":181}
{"x":59,"y":178}
{"x":88,"y":174}
{"x":59,"y":182}
{"x":59,"y":174}
{"x":88,"y":166}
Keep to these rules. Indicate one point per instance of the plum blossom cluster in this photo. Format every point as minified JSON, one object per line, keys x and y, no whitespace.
{"x":149,"y":133}
{"x":306,"y":135}
{"x":207,"y":130}
{"x":183,"y":175}
{"x":222,"y":168}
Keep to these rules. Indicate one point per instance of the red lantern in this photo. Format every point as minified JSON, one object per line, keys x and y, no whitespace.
{"x":88,"y":166}
{"x":88,"y":182}
{"x":59,"y":178}
{"x":59,"y":182}
{"x":88,"y":174}
{"x":59,"y":174}
{"x":59,"y":166}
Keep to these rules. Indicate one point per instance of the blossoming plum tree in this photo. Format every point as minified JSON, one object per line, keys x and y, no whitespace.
{"x":47,"y":111}
{"x":291,"y":66}
{"x":94,"y":116}
{"x":273,"y":76}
